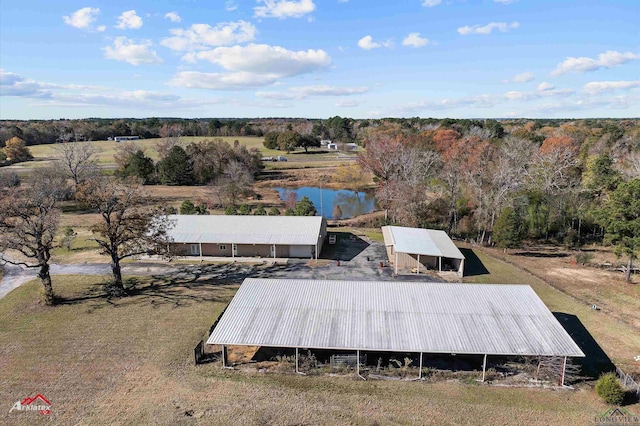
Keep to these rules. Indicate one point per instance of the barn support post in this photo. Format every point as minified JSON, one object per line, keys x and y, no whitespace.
{"x":224,"y":357}
{"x":420,"y":371}
{"x":440,"y":264}
{"x":358,"y":364}
{"x":297,"y":361}
{"x":200,"y":250}
{"x":564,"y":368}
{"x":418,"y":270}
{"x":484,"y":367}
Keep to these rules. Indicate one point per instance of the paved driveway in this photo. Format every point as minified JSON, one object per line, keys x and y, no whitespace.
{"x":365,"y":266}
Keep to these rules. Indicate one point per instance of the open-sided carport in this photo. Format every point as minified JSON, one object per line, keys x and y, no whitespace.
{"x":391,"y":316}
{"x":417,"y":247}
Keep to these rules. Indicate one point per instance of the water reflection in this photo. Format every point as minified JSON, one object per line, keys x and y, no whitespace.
{"x":351,"y":203}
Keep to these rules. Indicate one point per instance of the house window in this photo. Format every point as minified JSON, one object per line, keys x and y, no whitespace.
{"x":195,"y":249}
{"x":222,"y":247}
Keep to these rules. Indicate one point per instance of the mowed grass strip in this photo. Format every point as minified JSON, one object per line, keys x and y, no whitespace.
{"x":130,"y":361}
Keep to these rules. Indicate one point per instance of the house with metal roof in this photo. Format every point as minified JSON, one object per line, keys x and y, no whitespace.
{"x":416,"y":248}
{"x":387,"y":316}
{"x":247,"y":236}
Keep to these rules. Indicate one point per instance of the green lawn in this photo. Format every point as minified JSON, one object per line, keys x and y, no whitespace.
{"x":129,"y":361}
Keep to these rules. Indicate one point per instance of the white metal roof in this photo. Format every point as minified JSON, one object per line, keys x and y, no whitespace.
{"x":429,"y":242}
{"x":219,"y":229}
{"x":393,"y":316}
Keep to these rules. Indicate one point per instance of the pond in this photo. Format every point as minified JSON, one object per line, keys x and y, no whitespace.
{"x":325,"y":200}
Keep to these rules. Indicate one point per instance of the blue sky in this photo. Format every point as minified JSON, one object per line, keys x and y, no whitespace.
{"x":317,"y":58}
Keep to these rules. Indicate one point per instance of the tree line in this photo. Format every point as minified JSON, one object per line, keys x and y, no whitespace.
{"x":567,"y":184}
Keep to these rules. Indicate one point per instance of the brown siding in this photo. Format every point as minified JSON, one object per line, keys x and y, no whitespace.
{"x":214,"y":250}
{"x":250,"y":250}
{"x":282,"y":251}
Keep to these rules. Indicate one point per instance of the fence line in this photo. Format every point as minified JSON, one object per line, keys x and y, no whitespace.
{"x":628,"y":382}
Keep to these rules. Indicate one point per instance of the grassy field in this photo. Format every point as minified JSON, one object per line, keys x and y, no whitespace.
{"x":615,"y":340}
{"x":43,"y":154}
{"x":129,"y":361}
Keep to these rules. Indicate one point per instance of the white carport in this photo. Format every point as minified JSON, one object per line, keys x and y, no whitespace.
{"x":417,"y":247}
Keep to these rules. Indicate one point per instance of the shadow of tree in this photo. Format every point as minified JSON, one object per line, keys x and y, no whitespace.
{"x":540,"y":254}
{"x":187,"y":284}
{"x":472,"y":264}
{"x":596,"y":361}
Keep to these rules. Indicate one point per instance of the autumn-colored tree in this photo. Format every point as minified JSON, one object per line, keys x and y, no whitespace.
{"x":170,"y":134}
{"x":124,"y":152}
{"x":337,"y":212}
{"x":16,"y":150}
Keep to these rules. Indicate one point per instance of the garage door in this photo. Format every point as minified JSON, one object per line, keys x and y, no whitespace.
{"x":300,"y":251}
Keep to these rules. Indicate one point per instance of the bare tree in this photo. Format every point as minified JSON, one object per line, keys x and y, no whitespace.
{"x":170,"y":134}
{"x":127,"y":228}
{"x":235,"y":182}
{"x":633,"y":170}
{"x":77,"y":160}
{"x":29,"y":220}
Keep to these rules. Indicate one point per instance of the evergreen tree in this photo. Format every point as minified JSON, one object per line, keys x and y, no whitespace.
{"x":620,"y":217}
{"x":305,"y":207}
{"x":508,"y":229}
{"x":176,"y":168}
{"x":260,"y":211}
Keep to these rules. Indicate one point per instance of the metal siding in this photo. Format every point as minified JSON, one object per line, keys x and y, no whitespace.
{"x":428,"y":242}
{"x":393,"y":316}
{"x":224,"y":229}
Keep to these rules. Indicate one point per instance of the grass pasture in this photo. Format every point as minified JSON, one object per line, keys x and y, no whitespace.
{"x":43,"y":154}
{"x":130,"y":361}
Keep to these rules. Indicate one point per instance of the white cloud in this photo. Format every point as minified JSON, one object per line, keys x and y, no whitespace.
{"x":430,"y":3}
{"x":129,"y":19}
{"x":504,"y":1}
{"x":282,"y":9}
{"x":101,"y":28}
{"x":347,"y":103}
{"x":12,"y":84}
{"x":544,"y":87}
{"x":230,"y":5}
{"x":597,"y":87}
{"x":251,"y":66}
{"x":343,"y":1}
{"x":221,"y":81}
{"x":608,"y":59}
{"x":503,"y":27}
{"x":202,"y":36}
{"x":82,"y":18}
{"x":266,"y":59}
{"x":303,"y":92}
{"x":173,"y":16}
{"x":414,"y":40}
{"x":127,"y":50}
{"x":523,"y":77}
{"x":367,"y":43}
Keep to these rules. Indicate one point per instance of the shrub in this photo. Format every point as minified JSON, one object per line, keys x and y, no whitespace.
{"x":608,"y":388}
{"x":231,"y":210}
{"x":584,"y":258}
{"x":244,"y":210}
{"x":273,"y":211}
{"x":259,"y":211}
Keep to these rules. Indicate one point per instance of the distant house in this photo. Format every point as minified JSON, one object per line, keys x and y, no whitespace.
{"x":125,"y":138}
{"x":248,"y":236}
{"x":325,"y":142}
{"x":332,"y":146}
{"x":416,"y":248}
{"x":351,"y":146}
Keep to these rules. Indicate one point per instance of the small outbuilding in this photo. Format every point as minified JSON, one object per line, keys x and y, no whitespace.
{"x":417,"y":248}
{"x":248,"y":236}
